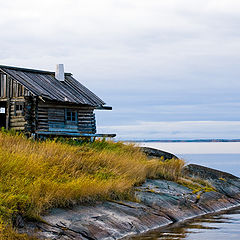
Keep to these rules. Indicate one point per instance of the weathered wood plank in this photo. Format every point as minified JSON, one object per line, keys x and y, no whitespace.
{"x":19,"y":128}
{"x":42,"y":122}
{"x":56,"y":120}
{"x":60,"y":110}
{"x":17,"y":119}
{"x":62,"y":126}
{"x":87,"y":121}
{"x":62,"y":105}
{"x":62,"y":130}
{"x":53,"y":114}
{"x":43,"y":127}
{"x":17,"y":124}
{"x":43,"y":111}
{"x":86,"y":118}
{"x":86,"y":127}
{"x":44,"y":116}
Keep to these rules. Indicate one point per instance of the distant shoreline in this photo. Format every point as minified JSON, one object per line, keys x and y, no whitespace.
{"x":194,"y":140}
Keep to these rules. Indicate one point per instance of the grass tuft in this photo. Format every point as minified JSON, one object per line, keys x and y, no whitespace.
{"x":197,"y":185}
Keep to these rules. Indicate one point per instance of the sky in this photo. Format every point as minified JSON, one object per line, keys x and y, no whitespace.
{"x":170,"y":69}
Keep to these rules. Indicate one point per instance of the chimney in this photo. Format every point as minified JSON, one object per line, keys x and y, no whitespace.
{"x":59,"y":74}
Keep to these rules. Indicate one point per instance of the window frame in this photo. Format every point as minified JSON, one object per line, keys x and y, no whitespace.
{"x":73,"y":114}
{"x":19,"y":108}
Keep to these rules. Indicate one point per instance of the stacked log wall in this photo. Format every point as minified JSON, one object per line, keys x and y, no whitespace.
{"x":13,"y":93}
{"x":86,"y":121}
{"x":52,"y":117}
{"x":17,"y":119}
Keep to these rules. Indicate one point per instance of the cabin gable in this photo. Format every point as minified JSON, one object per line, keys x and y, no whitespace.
{"x":11,"y":88}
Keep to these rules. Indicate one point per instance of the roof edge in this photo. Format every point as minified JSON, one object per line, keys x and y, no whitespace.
{"x":104,"y":107}
{"x":31,"y":70}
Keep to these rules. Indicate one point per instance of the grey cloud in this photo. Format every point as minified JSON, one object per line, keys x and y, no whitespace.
{"x":176,"y":130}
{"x":152,"y":60}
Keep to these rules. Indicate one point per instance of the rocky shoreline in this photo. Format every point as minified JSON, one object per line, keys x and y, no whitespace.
{"x":159,"y":203}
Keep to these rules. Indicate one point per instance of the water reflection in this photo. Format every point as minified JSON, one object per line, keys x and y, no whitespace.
{"x":223,"y":226}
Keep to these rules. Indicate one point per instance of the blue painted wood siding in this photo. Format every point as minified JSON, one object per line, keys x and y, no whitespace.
{"x":54,"y":119}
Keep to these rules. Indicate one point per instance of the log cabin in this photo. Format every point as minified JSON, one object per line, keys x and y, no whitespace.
{"x":45,"y":104}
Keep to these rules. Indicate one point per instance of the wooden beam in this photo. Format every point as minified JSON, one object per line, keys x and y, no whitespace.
{"x":104,"y":108}
{"x":74,"y":134}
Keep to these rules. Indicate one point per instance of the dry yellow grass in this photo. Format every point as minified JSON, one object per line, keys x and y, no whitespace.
{"x":36,"y":176}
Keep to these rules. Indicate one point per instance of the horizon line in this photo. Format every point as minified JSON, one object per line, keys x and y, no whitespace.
{"x":184,"y":140}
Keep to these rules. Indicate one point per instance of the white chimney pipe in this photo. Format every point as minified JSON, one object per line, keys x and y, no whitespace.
{"x":59,"y":74}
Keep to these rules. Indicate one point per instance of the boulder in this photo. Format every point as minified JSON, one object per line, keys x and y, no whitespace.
{"x":152,"y":152}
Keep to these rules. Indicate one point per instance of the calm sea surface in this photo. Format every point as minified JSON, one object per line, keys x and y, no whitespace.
{"x":223,"y":226}
{"x":224,"y":156}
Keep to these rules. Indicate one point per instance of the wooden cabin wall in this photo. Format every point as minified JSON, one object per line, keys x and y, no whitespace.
{"x":30,"y":114}
{"x":10,"y":88}
{"x":22,"y":114}
{"x":13,"y":93}
{"x":52,"y":117}
{"x":17,"y":114}
{"x":35,"y":114}
{"x":86,"y":121}
{"x":42,"y":118}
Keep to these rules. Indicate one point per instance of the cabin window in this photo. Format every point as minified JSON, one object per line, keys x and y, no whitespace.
{"x":19,"y":108}
{"x":71,"y":116}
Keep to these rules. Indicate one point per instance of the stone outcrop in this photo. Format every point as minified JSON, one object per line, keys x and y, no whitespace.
{"x":225,"y":183}
{"x":152,"y":152}
{"x":158,"y":203}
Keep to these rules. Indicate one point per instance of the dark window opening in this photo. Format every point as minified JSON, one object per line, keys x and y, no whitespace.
{"x":19,"y":108}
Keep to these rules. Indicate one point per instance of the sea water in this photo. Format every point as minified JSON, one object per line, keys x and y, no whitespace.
{"x":222,"y":226}
{"x":224,"y":156}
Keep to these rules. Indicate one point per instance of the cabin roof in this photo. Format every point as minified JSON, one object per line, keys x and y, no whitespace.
{"x":44,"y":84}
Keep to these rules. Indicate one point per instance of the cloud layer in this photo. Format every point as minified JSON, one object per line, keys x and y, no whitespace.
{"x":151,"y":60}
{"x":176,"y":130}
